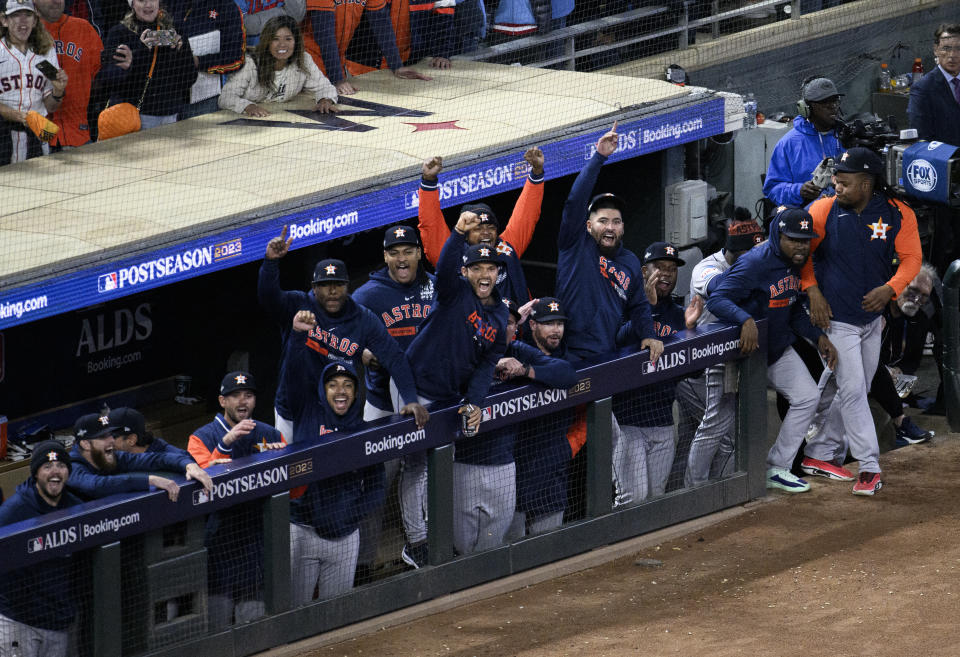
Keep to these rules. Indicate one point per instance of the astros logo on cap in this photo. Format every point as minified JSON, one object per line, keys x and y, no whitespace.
{"x":484,"y":216}
{"x":341,"y":368}
{"x":240,"y":379}
{"x":104,"y":420}
{"x":400,"y":232}
{"x":844,"y":157}
{"x":52,"y":456}
{"x":804,"y":224}
{"x":485,"y":252}
{"x":554,"y":306}
{"x":783,"y":207}
{"x":670,"y":250}
{"x":331,"y":270}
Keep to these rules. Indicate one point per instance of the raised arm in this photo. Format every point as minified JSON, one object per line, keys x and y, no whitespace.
{"x":430,"y":222}
{"x":526,"y":213}
{"x":573,"y":221}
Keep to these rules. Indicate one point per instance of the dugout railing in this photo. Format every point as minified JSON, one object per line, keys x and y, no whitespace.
{"x":140,"y":566}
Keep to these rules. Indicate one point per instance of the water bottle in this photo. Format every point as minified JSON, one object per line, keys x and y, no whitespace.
{"x":750,"y":108}
{"x":917,"y":70}
{"x":884,"y":83}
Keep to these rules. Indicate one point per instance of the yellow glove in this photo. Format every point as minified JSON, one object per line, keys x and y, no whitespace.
{"x":42,"y":127}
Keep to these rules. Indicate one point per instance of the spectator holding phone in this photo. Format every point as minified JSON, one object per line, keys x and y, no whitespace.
{"x":278,"y":70}
{"x":147,"y":63}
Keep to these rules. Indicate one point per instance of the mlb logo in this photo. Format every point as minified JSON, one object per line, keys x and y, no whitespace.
{"x":201,"y":497}
{"x":35,"y":544}
{"x":107,"y":282}
{"x":411,"y":200}
{"x":648,"y":367}
{"x":486,"y":414}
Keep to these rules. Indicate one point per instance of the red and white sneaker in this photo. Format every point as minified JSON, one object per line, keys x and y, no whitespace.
{"x":868,"y":483}
{"x":826,"y":469}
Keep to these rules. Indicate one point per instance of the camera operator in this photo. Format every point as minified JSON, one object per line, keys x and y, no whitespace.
{"x":812,"y":139}
{"x":934,"y":110}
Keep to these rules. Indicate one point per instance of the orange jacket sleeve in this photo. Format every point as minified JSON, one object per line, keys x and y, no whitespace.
{"x":433,"y":227}
{"x":526,"y":214}
{"x":201,"y":454}
{"x":908,"y":249}
{"x":820,"y":210}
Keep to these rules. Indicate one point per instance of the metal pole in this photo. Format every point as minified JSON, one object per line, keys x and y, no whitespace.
{"x":276,"y":553}
{"x":571,"y":52}
{"x":794,"y":8}
{"x":440,"y":504}
{"x":107,"y":584}
{"x":599,"y":457}
{"x":714,"y":10}
{"x":752,"y":443}
{"x":684,"y":22}
{"x":951,"y":344}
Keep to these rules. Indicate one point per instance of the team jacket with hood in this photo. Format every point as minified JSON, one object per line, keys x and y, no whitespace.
{"x":341,"y":337}
{"x":459,"y":344}
{"x":402,"y":309}
{"x":333,"y":506}
{"x":597,"y":302}
{"x":762,"y":284}
{"x":130,"y":476}
{"x":511,"y":243}
{"x":40,"y":596}
{"x":793,"y":160}
{"x":857,"y":251}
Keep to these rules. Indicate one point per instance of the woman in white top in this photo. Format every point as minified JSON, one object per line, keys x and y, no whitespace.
{"x":277,"y":71}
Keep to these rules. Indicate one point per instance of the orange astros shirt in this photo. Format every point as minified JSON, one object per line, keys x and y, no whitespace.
{"x":78,"y":49}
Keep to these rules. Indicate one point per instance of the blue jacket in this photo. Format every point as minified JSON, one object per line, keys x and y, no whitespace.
{"x":763,"y":284}
{"x":334,"y":506}
{"x":933,"y":110}
{"x":497,"y":446}
{"x":401,"y":308}
{"x":159,"y":445}
{"x":336,"y":338}
{"x":39,"y":596}
{"x":597,"y":302}
{"x":130,"y":476}
{"x":793,"y":160}
{"x":456,"y":352}
{"x":204,"y":16}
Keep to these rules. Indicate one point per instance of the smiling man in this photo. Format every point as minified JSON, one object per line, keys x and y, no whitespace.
{"x":36,"y":606}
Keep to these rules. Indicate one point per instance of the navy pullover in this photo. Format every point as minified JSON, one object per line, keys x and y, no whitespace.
{"x":336,"y":338}
{"x":40,"y":596}
{"x":130,"y":476}
{"x":401,"y":308}
{"x":456,"y":352}
{"x":763,"y":284}
{"x":597,"y":302}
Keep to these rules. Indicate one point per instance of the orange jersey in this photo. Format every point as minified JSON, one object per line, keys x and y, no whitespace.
{"x":78,"y":49}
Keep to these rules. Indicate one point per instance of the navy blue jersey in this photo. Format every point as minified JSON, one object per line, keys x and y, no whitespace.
{"x":402,"y":309}
{"x":762,"y":284}
{"x":39,"y":596}
{"x":459,"y":344}
{"x":130,"y":476}
{"x":336,"y":338}
{"x":160,"y":445}
{"x":600,"y":292}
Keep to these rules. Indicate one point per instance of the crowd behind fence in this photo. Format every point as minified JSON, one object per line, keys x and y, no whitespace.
{"x":136,"y":574}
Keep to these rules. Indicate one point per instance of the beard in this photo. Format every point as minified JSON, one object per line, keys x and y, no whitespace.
{"x":909,"y":308}
{"x":102,"y":462}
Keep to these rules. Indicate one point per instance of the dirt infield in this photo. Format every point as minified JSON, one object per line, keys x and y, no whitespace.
{"x":823,"y":573}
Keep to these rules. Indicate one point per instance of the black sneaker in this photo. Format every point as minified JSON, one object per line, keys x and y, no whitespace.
{"x":415,"y":555}
{"x":910,"y":433}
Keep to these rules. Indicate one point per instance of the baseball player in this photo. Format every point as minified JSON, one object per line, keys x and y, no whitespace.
{"x":343,"y":331}
{"x":510,"y":244}
{"x":78,"y":48}
{"x":329,"y":28}
{"x":234,"y":537}
{"x":37,"y":604}
{"x":470,"y":320}
{"x":643,"y":456}
{"x":132,"y":435}
{"x":850,"y":280}
{"x":484,"y":470}
{"x":325,"y":515}
{"x":710,"y":395}
{"x":26,"y":94}
{"x":765,"y":283}
{"x":401,"y":295}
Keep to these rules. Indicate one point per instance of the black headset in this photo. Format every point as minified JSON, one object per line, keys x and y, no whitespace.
{"x":803,"y":109}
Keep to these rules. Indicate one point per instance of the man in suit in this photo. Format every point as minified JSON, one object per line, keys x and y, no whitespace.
{"x":934,"y":110}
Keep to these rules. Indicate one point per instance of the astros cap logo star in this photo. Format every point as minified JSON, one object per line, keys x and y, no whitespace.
{"x":484,"y":216}
{"x":485,"y":252}
{"x":240,"y":379}
{"x":81,"y":432}
{"x":845,"y":156}
{"x":670,"y":250}
{"x":52,"y":456}
{"x":331,"y":270}
{"x":804,"y":224}
{"x":104,"y":420}
{"x":400,"y":232}
{"x":554,"y":306}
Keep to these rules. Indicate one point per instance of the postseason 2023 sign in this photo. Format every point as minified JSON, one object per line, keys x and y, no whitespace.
{"x":96,"y":523}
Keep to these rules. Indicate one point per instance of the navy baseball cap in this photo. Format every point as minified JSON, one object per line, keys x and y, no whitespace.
{"x":400,"y":235}
{"x":795,"y":222}
{"x":662,"y":251}
{"x":819,"y":90}
{"x":238,"y":380}
{"x":338,"y":369}
{"x":860,"y":160}
{"x":127,"y":421}
{"x":480,"y":253}
{"x":483,"y":211}
{"x":93,"y":425}
{"x":547,"y":309}
{"x":330,"y":270}
{"x":512,"y":307}
{"x":610,"y":199}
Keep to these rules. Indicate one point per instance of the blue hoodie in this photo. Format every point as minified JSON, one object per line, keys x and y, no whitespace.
{"x":793,"y":160}
{"x":763,"y":284}
{"x":456,"y":352}
{"x":336,"y":338}
{"x":40,"y":596}
{"x":334,"y":506}
{"x":597,"y":302}
{"x":130,"y":476}
{"x":402,"y":309}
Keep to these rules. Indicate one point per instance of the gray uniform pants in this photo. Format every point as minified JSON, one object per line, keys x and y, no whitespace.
{"x":328,"y":565}
{"x":642,"y":459}
{"x":484,"y":497}
{"x":789,"y":376}
{"x":711,"y":452}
